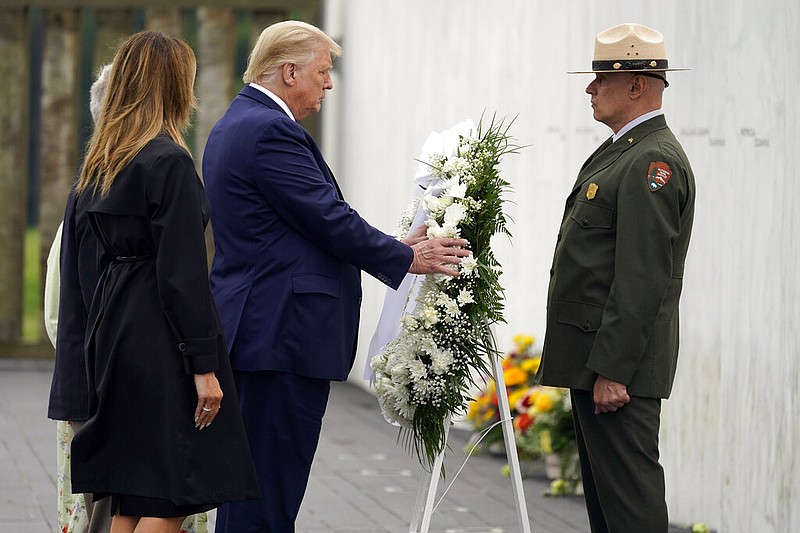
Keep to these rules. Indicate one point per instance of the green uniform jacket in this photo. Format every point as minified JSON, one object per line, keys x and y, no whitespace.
{"x":612,"y":305}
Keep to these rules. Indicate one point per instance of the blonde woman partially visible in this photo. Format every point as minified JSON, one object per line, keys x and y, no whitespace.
{"x":158,"y":441}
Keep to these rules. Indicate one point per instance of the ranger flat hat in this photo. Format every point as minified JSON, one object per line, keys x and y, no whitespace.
{"x":629,"y":48}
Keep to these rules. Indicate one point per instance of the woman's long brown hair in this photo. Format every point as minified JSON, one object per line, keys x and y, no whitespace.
{"x":150,"y":92}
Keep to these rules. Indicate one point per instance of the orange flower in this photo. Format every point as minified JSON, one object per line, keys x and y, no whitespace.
{"x":514,"y":376}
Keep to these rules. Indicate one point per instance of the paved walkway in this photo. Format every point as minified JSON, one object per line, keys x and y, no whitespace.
{"x":362,"y":479}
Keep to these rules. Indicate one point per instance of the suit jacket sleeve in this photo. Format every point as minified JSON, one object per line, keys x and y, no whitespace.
{"x":176,"y":199}
{"x":648,"y":225}
{"x":297,"y":188}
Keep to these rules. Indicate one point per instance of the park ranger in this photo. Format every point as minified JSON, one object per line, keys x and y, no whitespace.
{"x":612,"y":305}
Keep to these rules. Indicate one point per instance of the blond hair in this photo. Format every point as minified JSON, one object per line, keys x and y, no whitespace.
{"x":150,"y":92}
{"x":285,"y":42}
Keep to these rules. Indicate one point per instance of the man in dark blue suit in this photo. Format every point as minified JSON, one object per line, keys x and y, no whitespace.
{"x":286,"y":273}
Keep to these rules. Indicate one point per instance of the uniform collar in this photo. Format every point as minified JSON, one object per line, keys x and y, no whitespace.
{"x":635,"y":122}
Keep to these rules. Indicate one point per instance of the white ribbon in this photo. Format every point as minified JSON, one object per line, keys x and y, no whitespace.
{"x":404,"y":299}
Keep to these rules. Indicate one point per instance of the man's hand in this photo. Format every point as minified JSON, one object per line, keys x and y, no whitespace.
{"x":438,"y":255}
{"x":609,"y":395}
{"x":419,"y":234}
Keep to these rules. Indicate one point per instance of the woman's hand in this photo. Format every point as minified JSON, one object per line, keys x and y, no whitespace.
{"x":209,"y":399}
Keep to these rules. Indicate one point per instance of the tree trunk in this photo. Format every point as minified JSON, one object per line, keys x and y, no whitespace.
{"x":59,"y":150}
{"x":215,"y":62}
{"x":215,"y":56}
{"x":13,"y":168}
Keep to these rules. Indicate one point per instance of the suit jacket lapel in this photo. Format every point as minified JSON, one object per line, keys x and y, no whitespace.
{"x":250,"y":92}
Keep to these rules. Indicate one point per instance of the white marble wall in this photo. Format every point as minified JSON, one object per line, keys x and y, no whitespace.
{"x":731,"y":431}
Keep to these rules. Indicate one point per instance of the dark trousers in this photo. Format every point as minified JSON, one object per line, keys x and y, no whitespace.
{"x":622,"y":479}
{"x":283,"y":418}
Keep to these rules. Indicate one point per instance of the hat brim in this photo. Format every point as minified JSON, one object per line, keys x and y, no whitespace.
{"x":632,"y":70}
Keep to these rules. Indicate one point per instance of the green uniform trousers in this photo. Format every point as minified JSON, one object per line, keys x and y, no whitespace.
{"x":623,"y":481}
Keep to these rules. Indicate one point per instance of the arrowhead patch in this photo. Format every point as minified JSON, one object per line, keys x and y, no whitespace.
{"x":658,"y":175}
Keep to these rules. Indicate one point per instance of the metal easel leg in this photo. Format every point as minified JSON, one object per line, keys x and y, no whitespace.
{"x":511,"y":446}
{"x":426,"y":495}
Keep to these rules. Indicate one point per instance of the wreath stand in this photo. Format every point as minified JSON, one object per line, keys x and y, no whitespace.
{"x":426,"y":496}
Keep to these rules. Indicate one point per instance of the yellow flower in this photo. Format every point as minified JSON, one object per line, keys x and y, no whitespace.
{"x":530,"y":365}
{"x":515,"y":397}
{"x":546,"y":441}
{"x":474,"y":409}
{"x":558,"y":487}
{"x":543,"y":402}
{"x":523,"y":341}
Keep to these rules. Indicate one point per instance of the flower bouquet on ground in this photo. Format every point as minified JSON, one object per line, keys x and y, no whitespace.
{"x":519,"y":368}
{"x":442,"y":339}
{"x":543,"y":427}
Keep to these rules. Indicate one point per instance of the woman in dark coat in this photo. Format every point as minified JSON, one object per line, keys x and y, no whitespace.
{"x":158,"y":439}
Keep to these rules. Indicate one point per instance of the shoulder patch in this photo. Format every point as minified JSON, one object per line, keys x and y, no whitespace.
{"x":658,"y":175}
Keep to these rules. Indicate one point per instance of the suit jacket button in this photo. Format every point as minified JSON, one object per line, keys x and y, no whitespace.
{"x":182,"y":346}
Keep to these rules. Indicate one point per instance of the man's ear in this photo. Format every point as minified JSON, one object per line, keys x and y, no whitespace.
{"x":637,"y":85}
{"x":289,"y":73}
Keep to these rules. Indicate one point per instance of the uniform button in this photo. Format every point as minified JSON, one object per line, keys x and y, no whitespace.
{"x":182,"y":346}
{"x":586,"y":326}
{"x":585,"y":221}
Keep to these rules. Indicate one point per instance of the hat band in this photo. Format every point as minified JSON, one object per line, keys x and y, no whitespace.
{"x":637,"y":64}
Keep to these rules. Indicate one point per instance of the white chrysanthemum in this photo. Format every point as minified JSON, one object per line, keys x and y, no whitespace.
{"x":454,"y":187}
{"x":469,"y":265}
{"x":429,"y":316}
{"x":417,"y":369}
{"x":454,"y":214}
{"x":410,"y":322}
{"x":421,"y":388}
{"x":441,"y":361}
{"x":465,"y":297}
{"x":451,"y":307}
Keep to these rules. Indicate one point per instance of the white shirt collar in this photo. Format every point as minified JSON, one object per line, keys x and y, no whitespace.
{"x":635,"y":122}
{"x":275,"y":98}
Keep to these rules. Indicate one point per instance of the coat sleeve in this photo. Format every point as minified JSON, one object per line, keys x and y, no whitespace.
{"x":176,"y":201}
{"x":648,"y":226}
{"x":291,"y":181}
{"x":77,"y":280}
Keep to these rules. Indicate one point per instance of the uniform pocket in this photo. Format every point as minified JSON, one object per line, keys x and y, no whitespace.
{"x":584,"y":316}
{"x":592,"y":215}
